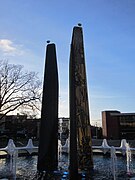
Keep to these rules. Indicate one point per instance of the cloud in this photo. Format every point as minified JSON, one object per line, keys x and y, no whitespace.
{"x":9,"y":48}
{"x":7,"y":45}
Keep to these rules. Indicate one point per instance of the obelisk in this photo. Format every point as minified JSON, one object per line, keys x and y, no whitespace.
{"x":80,"y":132}
{"x":48,"y":139}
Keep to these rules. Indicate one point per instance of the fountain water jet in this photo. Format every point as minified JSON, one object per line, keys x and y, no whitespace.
{"x":113,"y":162}
{"x":129,"y":160}
{"x":13,"y":156}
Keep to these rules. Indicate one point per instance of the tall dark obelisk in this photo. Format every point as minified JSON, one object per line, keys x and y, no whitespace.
{"x":48,"y":142}
{"x":80,"y":132}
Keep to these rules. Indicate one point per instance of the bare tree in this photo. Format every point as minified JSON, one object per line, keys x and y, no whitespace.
{"x":18,"y":89}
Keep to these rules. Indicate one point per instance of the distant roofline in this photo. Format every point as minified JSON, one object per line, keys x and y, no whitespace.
{"x":118,"y":113}
{"x":122,"y":114}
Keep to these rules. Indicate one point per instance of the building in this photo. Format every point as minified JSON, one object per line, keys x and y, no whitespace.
{"x":15,"y":126}
{"x":63,"y":129}
{"x":63,"y":124}
{"x":117,"y":125}
{"x":19,"y":126}
{"x":96,"y":132}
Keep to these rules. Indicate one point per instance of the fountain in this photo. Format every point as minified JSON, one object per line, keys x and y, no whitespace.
{"x":113,"y":162}
{"x":13,"y":152}
{"x":26,"y":166}
{"x":129,"y":160}
{"x":48,"y":165}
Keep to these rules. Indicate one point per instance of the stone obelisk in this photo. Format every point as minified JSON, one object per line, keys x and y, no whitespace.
{"x":80,"y":132}
{"x":48,"y":140}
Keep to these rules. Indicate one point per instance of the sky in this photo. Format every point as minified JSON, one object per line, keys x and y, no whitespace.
{"x":109,"y":41}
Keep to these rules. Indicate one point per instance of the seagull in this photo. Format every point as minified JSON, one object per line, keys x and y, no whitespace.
{"x":79,"y":24}
{"x":48,"y":41}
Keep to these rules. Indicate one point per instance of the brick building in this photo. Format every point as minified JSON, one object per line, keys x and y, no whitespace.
{"x":117,"y":125}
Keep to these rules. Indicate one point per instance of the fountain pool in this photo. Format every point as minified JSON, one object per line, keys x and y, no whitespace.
{"x":26,"y":167}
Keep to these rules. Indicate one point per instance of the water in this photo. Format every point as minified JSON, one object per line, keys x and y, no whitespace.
{"x":113,"y":162}
{"x":26,"y":167}
{"x":129,"y":159}
{"x":103,"y":168}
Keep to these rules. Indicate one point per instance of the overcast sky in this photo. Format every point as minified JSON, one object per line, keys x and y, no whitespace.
{"x":109,"y":41}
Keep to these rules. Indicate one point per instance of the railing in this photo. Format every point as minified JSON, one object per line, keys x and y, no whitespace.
{"x":10,"y":148}
{"x":30,"y":148}
{"x":104,"y":147}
